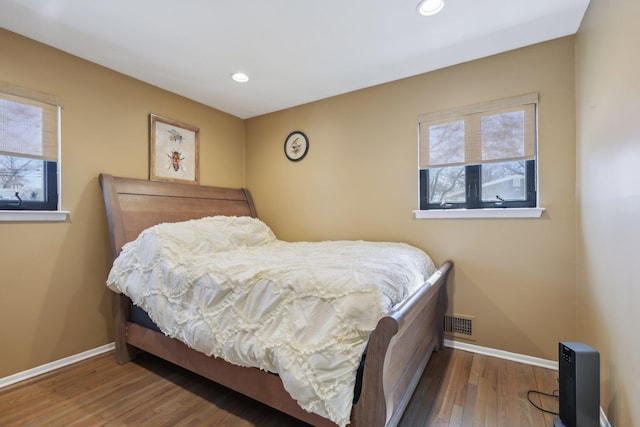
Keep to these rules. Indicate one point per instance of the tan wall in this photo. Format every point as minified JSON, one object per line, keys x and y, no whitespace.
{"x":608,"y":147}
{"x":53,"y":301}
{"x":359,"y":180}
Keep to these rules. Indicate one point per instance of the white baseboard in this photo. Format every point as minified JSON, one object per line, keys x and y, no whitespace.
{"x":56,"y":364}
{"x":521,"y":358}
{"x":604,"y":421}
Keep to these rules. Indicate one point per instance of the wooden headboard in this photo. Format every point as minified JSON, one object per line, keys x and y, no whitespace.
{"x":136,"y":204}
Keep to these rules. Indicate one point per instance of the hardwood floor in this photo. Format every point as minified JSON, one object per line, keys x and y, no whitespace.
{"x":457,"y":389}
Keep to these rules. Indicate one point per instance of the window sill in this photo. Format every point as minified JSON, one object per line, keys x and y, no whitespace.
{"x":479,"y":213}
{"x":34,"y":216}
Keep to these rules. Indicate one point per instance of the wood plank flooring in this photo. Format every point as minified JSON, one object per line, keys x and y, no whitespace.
{"x":457,"y":389}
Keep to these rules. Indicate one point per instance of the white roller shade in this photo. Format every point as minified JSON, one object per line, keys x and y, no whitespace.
{"x":28,"y":123}
{"x":496,"y":131}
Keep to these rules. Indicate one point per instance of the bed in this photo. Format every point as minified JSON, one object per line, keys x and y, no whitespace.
{"x":397,"y":350}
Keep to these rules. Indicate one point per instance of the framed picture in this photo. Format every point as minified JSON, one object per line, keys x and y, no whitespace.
{"x":173,"y":153}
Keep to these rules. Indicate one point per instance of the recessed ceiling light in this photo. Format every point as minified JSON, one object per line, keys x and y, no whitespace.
{"x":240,"y":77}
{"x":430,"y":7}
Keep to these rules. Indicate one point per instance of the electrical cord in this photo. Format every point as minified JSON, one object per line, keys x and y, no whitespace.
{"x":555,"y":394}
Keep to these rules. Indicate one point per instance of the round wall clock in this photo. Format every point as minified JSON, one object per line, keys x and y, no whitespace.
{"x":296,"y":146}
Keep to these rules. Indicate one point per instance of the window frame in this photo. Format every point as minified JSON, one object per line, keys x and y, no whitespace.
{"x":473,"y":182}
{"x":473,"y":172}
{"x":50,"y":202}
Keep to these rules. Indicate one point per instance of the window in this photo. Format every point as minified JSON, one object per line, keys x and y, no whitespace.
{"x":29,"y":150}
{"x":482,"y":156}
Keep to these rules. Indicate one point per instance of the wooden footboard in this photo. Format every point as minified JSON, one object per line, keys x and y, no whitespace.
{"x":398,"y":350}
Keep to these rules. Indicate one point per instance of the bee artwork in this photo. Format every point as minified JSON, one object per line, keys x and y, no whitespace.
{"x":175,"y":159}
{"x":174,"y":151}
{"x":175,"y":156}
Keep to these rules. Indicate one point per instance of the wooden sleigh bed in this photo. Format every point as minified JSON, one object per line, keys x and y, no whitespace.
{"x":397,"y":353}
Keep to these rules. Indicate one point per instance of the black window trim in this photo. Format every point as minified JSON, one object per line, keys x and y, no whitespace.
{"x":472,"y":191}
{"x":51,"y":194}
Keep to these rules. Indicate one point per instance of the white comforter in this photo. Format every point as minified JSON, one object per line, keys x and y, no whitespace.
{"x":227,"y":287}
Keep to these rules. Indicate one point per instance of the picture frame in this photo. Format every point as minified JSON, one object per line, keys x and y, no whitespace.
{"x":173,"y":151}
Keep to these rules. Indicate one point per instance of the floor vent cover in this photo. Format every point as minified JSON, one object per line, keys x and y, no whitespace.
{"x":459,"y":325}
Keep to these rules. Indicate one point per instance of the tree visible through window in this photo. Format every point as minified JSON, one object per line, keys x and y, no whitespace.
{"x":28,"y":153}
{"x":480,"y":156}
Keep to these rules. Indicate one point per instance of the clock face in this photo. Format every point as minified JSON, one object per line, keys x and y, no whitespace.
{"x":296,"y":146}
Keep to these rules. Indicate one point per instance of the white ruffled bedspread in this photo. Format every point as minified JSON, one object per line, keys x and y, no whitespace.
{"x":228,"y":288}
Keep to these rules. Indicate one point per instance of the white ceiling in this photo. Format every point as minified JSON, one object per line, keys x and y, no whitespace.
{"x":295,"y":51}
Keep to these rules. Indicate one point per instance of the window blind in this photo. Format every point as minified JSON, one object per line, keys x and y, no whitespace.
{"x":29,"y":123}
{"x":496,"y":131}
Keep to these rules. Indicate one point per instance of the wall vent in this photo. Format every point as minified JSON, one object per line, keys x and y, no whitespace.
{"x":459,"y":325}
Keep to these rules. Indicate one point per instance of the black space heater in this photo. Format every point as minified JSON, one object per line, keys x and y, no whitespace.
{"x":579,"y":381}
